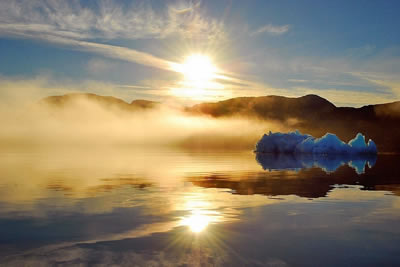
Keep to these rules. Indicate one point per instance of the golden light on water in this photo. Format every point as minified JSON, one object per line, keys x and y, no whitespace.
{"x":196,"y":222}
{"x":200,"y":217}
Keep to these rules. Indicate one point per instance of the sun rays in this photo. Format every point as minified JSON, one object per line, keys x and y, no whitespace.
{"x":200,"y":78}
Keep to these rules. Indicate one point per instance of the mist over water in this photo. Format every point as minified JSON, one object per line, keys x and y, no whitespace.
{"x":84,"y":122}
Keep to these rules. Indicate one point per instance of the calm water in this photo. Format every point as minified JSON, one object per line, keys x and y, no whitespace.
{"x":181,"y":208}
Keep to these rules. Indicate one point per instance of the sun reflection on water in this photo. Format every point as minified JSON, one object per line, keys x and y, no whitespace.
{"x":199,"y":220}
{"x":200,"y":217}
{"x":196,"y":222}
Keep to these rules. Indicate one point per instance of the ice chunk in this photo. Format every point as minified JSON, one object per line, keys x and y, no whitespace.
{"x":295,"y":142}
{"x":280,"y":142}
{"x":358,"y":142}
{"x":328,"y":144}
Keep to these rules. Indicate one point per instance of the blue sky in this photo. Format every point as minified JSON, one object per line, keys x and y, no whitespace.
{"x":345,"y":51}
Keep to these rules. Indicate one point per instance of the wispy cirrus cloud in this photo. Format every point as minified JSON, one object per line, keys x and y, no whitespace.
{"x":271,"y":29}
{"x":341,"y":97}
{"x":106,"y":20}
{"x":390,"y":82}
{"x":75,"y":25}
{"x":110,"y":51}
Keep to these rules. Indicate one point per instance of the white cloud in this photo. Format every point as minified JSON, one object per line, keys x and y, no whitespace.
{"x":111,"y":19}
{"x":71,"y":24}
{"x":341,"y":97}
{"x":100,"y":66}
{"x":271,"y":29}
{"x":297,"y":81}
{"x":387,"y":81}
{"x":111,"y":51}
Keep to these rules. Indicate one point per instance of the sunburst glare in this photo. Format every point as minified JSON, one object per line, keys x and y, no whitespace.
{"x":199,"y":78}
{"x":197,"y":222}
{"x":200,"y":217}
{"x":199,"y":70}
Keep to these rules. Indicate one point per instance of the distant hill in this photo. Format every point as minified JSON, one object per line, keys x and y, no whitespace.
{"x":315,"y":115}
{"x":310,"y":114}
{"x":104,"y":101}
{"x":266,"y":107}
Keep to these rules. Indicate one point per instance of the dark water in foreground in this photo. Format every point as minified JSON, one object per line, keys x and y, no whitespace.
{"x":181,"y":208}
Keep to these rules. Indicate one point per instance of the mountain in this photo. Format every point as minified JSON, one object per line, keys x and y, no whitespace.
{"x":266,"y":107}
{"x":310,"y":114}
{"x":109,"y":102}
{"x":315,"y":115}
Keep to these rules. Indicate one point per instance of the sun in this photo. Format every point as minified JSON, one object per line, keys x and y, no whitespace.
{"x":200,"y":78}
{"x":198,"y":69}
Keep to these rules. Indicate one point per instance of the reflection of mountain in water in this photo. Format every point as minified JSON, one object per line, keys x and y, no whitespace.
{"x":328,"y":163}
{"x":306,"y":182}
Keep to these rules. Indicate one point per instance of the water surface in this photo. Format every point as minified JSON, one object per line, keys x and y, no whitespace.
{"x":170,"y":207}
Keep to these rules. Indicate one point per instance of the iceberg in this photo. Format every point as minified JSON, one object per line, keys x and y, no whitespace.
{"x":329,"y":144}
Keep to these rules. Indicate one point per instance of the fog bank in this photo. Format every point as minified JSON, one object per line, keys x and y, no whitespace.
{"x":82,"y":121}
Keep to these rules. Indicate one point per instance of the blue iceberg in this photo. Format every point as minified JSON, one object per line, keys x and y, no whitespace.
{"x":329,"y":144}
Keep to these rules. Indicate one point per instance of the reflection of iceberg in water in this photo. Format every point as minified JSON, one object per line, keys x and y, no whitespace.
{"x":328,"y":163}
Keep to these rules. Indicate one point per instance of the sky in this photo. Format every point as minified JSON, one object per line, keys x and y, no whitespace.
{"x":195,"y":51}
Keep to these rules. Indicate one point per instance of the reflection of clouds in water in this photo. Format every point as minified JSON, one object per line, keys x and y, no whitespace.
{"x":110,"y":217}
{"x":328,"y":163}
{"x":193,"y":208}
{"x":125,"y":213}
{"x":257,"y":241}
{"x":76,"y":255}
